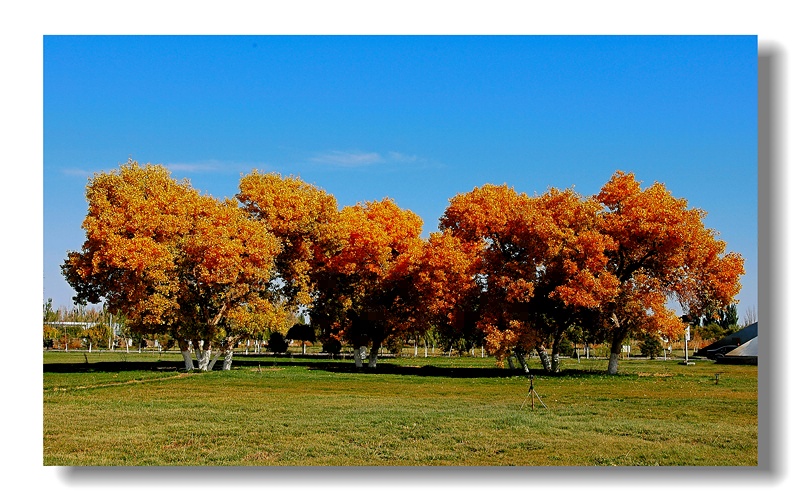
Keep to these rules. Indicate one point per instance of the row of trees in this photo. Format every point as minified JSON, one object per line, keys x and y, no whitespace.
{"x":83,"y":327}
{"x":513,"y":272}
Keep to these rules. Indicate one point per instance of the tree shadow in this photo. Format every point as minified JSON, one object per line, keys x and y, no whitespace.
{"x":112,"y":366}
{"x":315,"y":363}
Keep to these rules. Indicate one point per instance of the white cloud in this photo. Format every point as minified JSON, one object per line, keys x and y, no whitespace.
{"x":214,"y":166}
{"x":349,"y":158}
{"x":77,"y":172}
{"x":403,"y":158}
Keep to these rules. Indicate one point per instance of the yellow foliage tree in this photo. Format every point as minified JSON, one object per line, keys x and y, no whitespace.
{"x":168,"y":258}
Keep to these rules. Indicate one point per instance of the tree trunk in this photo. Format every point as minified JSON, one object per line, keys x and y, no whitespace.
{"x":555,"y":365}
{"x":358,"y":356}
{"x":613,"y":359}
{"x":187,"y":356}
{"x":226,"y":364}
{"x":373,"y":355}
{"x":203,"y":355}
{"x":304,"y":347}
{"x":510,"y":361}
{"x":544,"y":357}
{"x":523,"y":362}
{"x":214,"y":360}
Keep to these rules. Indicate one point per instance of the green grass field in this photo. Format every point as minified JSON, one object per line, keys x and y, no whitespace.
{"x":136,"y":409}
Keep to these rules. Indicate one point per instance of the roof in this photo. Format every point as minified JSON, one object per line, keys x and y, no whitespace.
{"x":734,"y":339}
{"x":749,"y":348}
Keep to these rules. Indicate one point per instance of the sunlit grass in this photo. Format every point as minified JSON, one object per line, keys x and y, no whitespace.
{"x":410,"y":411}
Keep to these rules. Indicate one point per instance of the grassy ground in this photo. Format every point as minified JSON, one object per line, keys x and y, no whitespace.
{"x":137,"y":409}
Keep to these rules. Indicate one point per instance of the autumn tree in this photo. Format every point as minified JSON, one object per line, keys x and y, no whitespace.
{"x":256,"y":319}
{"x":662,"y":251}
{"x":542,"y":264}
{"x":168,"y":258}
{"x":304,"y":219}
{"x":365,"y":290}
{"x":447,"y":288}
{"x":96,"y":335}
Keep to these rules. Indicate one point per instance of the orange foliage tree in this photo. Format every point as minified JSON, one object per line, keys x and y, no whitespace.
{"x":304,"y":219}
{"x":365,"y":290}
{"x":168,"y":258}
{"x":662,"y":251}
{"x":543,"y":263}
{"x":447,"y":288}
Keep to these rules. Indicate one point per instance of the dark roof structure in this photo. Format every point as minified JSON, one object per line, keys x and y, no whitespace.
{"x":725,"y":345}
{"x":746,"y":353}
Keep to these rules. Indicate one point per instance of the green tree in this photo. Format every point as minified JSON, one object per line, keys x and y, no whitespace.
{"x":302,"y":333}
{"x":277,"y":343}
{"x":650,"y":347}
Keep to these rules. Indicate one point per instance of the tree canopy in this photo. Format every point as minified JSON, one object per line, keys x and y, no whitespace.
{"x":542,"y":261}
{"x":365,"y":290}
{"x":167,"y":257}
{"x":516,"y":273}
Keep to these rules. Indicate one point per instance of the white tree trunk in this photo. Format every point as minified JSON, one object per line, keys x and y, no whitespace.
{"x":226,"y":364}
{"x":203,"y":355}
{"x":613,"y":363}
{"x":523,"y":362}
{"x":90,"y":347}
{"x":358,"y":356}
{"x":415,"y":348}
{"x":214,"y":360}
{"x":187,"y":358}
{"x":304,"y":347}
{"x":555,"y":363}
{"x":544,"y":358}
{"x":373,"y":356}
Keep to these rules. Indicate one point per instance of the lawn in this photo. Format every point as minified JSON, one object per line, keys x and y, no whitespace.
{"x":138,"y":409}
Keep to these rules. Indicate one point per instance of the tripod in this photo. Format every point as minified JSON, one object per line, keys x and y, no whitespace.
{"x":532,"y":392}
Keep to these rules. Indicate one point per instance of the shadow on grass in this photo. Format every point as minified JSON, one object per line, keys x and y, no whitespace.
{"x":329,"y":365}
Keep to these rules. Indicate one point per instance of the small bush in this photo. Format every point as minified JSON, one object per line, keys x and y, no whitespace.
{"x":395,"y":346}
{"x":650,"y":347}
{"x":277,"y":343}
{"x":331,"y":346}
{"x":565,"y":347}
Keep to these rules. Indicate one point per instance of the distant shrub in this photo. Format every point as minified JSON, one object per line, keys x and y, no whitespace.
{"x":277,"y":343}
{"x":650,"y":347}
{"x":565,"y":347}
{"x":395,"y":346}
{"x":303,"y":333}
{"x":331,"y":346}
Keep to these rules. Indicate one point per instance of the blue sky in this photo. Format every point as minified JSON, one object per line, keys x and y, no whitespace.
{"x":416,"y":119}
